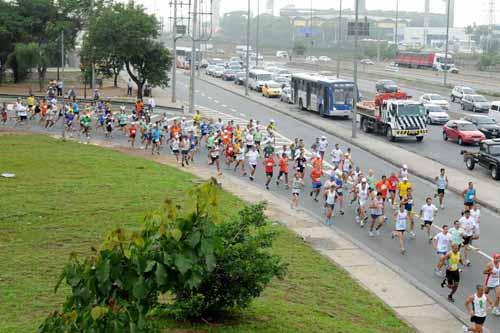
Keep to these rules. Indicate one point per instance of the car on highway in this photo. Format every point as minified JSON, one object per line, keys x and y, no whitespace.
{"x":240,"y":78}
{"x":324,"y":59}
{"x":392,"y":67}
{"x":229,"y":75}
{"x":475,"y":103}
{"x":459,"y":91}
{"x":485,"y":124}
{"x":235,"y":59}
{"x":271,"y":89}
{"x":257,"y":78}
{"x":435,"y":99}
{"x":283,"y":81}
{"x":463,"y":131}
{"x":282,"y":54}
{"x":286,"y":95}
{"x":284,"y":73}
{"x":495,"y":111}
{"x":311,"y":59}
{"x":204,"y":63}
{"x":386,"y":86}
{"x":210,"y":70}
{"x":435,"y":114}
{"x":488,"y":157}
{"x":366,"y":62}
{"x":218,"y":71}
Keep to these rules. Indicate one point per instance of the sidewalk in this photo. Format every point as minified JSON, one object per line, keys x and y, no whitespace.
{"x":418,"y":165}
{"x":410,"y":304}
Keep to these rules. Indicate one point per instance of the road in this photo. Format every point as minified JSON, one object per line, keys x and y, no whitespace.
{"x":419,"y":261}
{"x":433,"y":146}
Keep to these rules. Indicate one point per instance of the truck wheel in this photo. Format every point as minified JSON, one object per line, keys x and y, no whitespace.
{"x":364,"y":125}
{"x":495,"y":172}
{"x":469,"y":163}
{"x":420,"y":138}
{"x":389,"y":134}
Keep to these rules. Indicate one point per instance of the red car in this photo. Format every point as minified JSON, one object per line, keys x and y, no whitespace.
{"x":462,"y":131}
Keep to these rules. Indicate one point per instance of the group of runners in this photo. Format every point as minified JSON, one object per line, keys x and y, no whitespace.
{"x":335,"y":179}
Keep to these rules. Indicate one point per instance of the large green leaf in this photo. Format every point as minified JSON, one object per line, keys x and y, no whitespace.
{"x":103,"y":270}
{"x":176,"y":234}
{"x":161,"y":275}
{"x":194,"y":238}
{"x":183,"y":263}
{"x":139,"y":289}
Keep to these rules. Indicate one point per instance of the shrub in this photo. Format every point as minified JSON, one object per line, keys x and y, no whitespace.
{"x":209,"y":265}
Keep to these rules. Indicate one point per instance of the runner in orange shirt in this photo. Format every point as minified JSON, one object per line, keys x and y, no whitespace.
{"x":269,"y":167}
{"x":283,"y":163}
{"x":316,"y":174}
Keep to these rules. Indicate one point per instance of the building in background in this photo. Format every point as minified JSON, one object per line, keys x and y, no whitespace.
{"x":270,"y":7}
{"x":215,"y":16}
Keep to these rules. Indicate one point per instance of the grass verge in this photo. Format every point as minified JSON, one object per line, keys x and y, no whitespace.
{"x":66,"y":196}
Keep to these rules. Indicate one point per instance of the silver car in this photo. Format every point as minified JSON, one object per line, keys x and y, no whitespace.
{"x":435,"y":114}
{"x":286,"y":95}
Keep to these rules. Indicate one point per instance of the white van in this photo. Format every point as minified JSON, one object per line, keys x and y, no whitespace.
{"x":495,"y":111}
{"x":257,"y":78}
{"x":282,"y":54}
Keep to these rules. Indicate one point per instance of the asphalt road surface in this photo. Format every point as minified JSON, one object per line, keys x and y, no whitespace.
{"x":419,"y":261}
{"x":433,"y":146}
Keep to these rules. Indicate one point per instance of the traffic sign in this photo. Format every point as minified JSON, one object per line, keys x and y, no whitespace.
{"x":363,"y":29}
{"x":181,"y":29}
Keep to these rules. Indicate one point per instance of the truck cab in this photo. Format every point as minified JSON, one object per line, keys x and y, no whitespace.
{"x":488,"y":157}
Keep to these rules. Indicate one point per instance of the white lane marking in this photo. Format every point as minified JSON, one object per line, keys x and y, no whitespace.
{"x":234,"y":110}
{"x":203,"y":94}
{"x":216,"y":101}
{"x":243,"y":115}
{"x":197,"y":91}
{"x":224,"y":105}
{"x":210,"y":98}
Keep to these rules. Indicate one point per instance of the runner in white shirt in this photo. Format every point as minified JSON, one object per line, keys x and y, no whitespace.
{"x":468,"y":224}
{"x":252,"y":157}
{"x":322,"y":146}
{"x":475,"y":212}
{"x":442,"y":245}
{"x":477,"y":306}
{"x":336,"y":155}
{"x":403,"y":172}
{"x":401,"y":221}
{"x":427,"y":213}
{"x":492,"y":272}
{"x":362,"y":191}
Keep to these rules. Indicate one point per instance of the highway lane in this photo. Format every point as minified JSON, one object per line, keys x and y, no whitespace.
{"x":419,"y":261}
{"x":433,"y":146}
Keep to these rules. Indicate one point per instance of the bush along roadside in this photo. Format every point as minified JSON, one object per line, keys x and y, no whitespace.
{"x":205,"y":263}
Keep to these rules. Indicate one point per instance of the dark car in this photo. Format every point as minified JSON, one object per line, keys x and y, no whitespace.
{"x":240,"y":78}
{"x":488,"y":157}
{"x":229,"y":75}
{"x":386,"y":86}
{"x":485,"y":124}
{"x":475,"y":103}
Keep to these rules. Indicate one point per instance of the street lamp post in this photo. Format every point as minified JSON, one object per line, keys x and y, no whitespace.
{"x":92,"y":65}
{"x":248,"y":50}
{"x":257,"y":36}
{"x":192,"y":64}
{"x":355,"y":72}
{"x":174,"y":67}
{"x":445,"y":72}
{"x":396,"y":25}
{"x":339,"y":39}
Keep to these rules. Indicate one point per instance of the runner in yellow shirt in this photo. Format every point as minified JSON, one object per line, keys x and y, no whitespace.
{"x":403,"y":188}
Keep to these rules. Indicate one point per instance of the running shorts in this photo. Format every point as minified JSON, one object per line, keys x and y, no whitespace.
{"x":269,"y":174}
{"x":427,"y":222}
{"x":331,"y":206}
{"x":452,"y":276}
{"x":467,"y":240}
{"x":477,"y":320}
{"x":316,"y":185}
{"x":440,"y":191}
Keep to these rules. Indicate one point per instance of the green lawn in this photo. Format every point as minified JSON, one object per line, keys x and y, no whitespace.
{"x":66,"y":196}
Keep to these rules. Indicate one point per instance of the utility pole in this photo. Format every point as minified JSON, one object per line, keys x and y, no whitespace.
{"x":257,"y":35}
{"x":92,"y":55}
{"x":339,"y":38}
{"x":355,"y":72}
{"x":174,"y":67}
{"x":192,"y":65}
{"x":248,"y":50}
{"x":396,"y":26}
{"x":62,"y":63}
{"x":445,"y":72}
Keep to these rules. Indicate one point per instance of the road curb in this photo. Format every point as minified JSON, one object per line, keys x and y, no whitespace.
{"x":350,"y":140}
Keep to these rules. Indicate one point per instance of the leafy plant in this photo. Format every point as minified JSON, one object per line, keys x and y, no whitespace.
{"x":299,"y":48}
{"x":208,"y":264}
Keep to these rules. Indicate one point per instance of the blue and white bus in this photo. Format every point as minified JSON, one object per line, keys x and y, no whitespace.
{"x":325,"y":95}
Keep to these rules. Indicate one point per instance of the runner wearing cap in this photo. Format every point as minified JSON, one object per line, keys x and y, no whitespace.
{"x":403,"y":172}
{"x":492,"y":271}
{"x":362,"y":191}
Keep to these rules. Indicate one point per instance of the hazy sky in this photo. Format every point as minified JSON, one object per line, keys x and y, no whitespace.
{"x":466,"y":11}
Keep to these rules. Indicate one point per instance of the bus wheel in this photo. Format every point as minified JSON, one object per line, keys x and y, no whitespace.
{"x":301,"y":106}
{"x":321,"y":111}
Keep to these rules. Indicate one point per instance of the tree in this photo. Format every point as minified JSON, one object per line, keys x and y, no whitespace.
{"x":124,"y":35}
{"x":299,"y":48}
{"x":234,"y":24}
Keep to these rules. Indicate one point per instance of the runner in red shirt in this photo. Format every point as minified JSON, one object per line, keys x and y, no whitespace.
{"x":393,"y":185}
{"x":382,"y":187}
{"x":229,"y":153}
{"x":132,"y":131}
{"x":269,"y":167}
{"x":283,"y":163}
